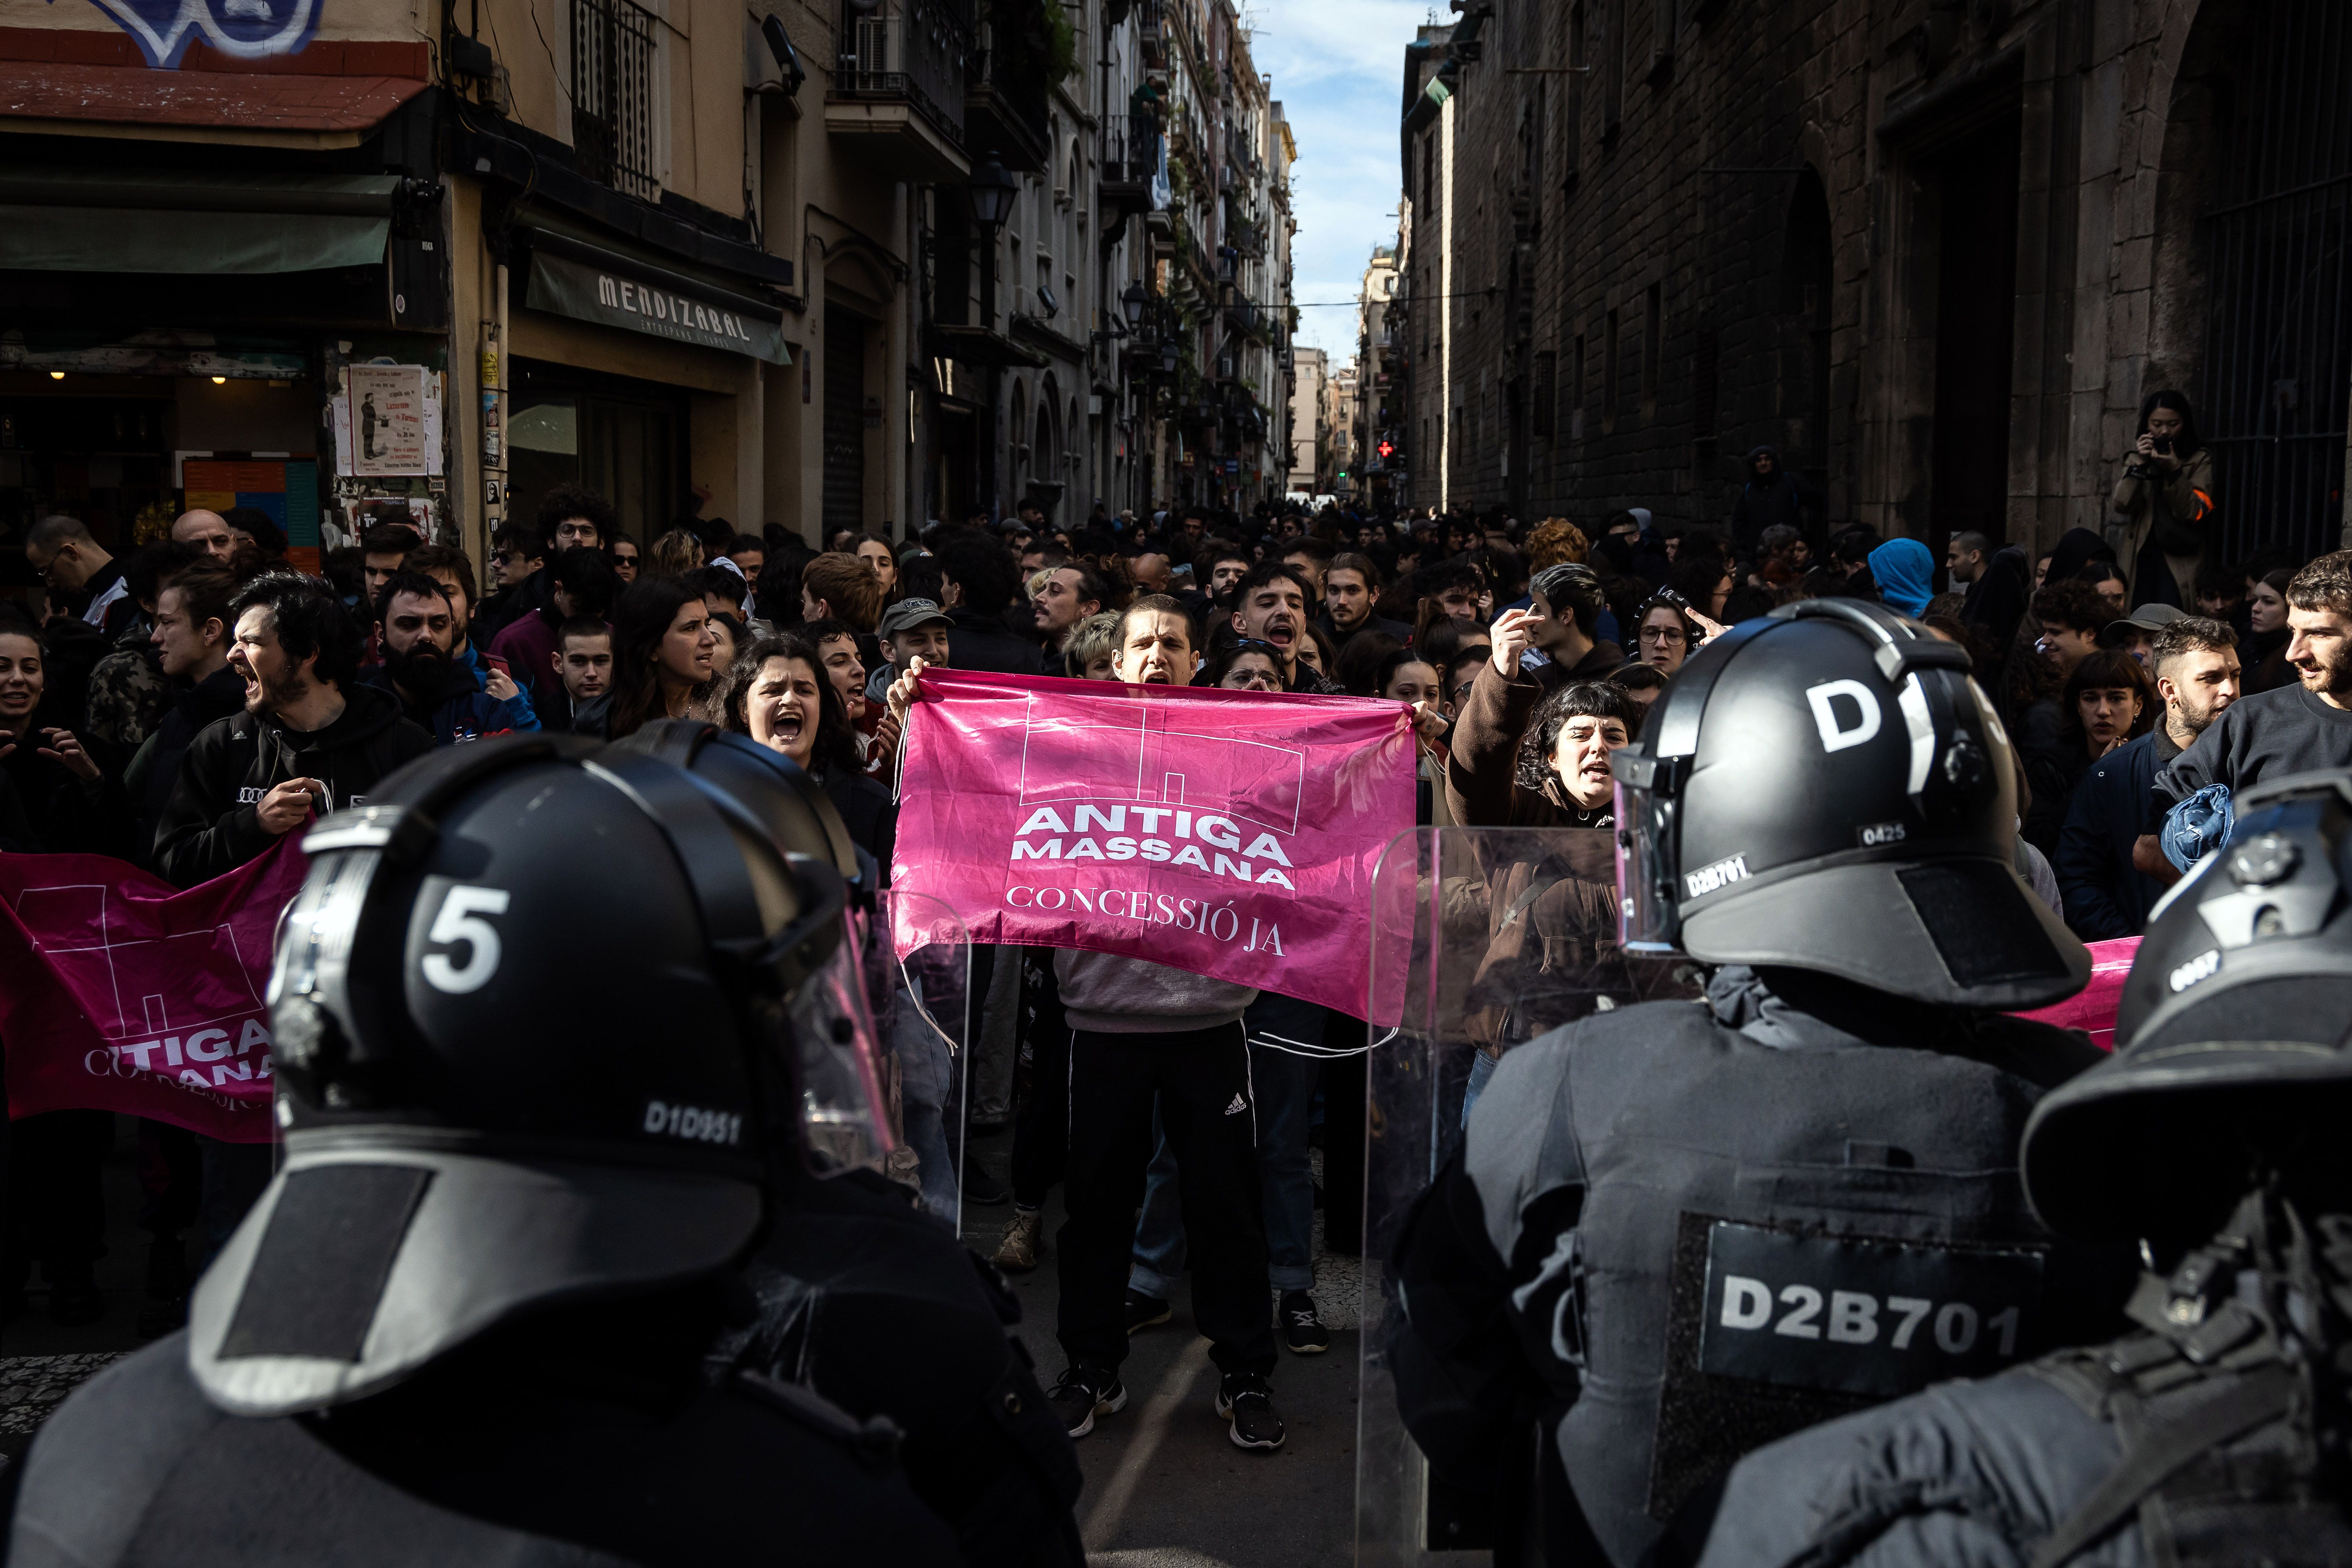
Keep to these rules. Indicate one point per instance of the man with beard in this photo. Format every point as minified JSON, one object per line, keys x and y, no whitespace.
{"x":1064,"y":597}
{"x":2195,"y":662}
{"x":1270,"y":605}
{"x":2292,"y":730}
{"x":435,"y":692}
{"x":311,"y":738}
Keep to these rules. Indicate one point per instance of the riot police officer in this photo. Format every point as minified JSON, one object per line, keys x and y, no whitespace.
{"x":863,"y":1297}
{"x":2217,"y":1432}
{"x":535,"y":1062}
{"x":1677,"y":1231}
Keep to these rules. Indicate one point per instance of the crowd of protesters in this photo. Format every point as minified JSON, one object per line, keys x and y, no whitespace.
{"x":187,"y":706}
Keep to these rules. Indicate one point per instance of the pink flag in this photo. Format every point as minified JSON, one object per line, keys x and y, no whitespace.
{"x":1230,"y":833}
{"x":2092,"y":1009}
{"x":120,"y":992}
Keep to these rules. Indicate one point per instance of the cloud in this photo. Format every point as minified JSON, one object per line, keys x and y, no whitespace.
{"x":1338,"y":68}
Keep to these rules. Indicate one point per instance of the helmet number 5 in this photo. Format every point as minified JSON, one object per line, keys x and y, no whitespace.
{"x":458,"y":920}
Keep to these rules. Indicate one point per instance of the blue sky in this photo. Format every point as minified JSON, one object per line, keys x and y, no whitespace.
{"x":1337,"y":67}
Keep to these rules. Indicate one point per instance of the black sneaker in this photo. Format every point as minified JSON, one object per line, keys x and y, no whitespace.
{"x":1243,"y":1399}
{"x":1145,"y":1311}
{"x":1302,"y":1331}
{"x":1082,"y":1393}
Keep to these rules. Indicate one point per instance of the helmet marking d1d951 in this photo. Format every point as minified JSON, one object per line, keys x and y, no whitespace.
{"x":1825,"y":789}
{"x":2235,"y":1035}
{"x":532,"y":1043}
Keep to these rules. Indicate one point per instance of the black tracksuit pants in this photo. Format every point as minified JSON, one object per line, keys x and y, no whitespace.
{"x":1201,"y":1079}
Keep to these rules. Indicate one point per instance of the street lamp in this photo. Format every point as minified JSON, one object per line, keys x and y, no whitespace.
{"x":992,"y":189}
{"x":1132,"y":303}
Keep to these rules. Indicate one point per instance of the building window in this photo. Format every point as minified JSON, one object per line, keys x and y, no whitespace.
{"x":615,"y":92}
{"x":1609,"y":367}
{"x":1653,"y":341}
{"x":1540,"y":414}
{"x":1576,"y":385}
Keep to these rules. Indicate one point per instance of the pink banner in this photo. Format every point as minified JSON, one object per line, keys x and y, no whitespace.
{"x":120,"y":992}
{"x":2092,"y":1009}
{"x":1230,"y":833}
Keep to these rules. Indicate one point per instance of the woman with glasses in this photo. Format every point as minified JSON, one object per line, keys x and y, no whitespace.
{"x":1665,"y":632}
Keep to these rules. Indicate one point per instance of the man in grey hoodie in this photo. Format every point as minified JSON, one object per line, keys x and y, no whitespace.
{"x":1143,"y":1032}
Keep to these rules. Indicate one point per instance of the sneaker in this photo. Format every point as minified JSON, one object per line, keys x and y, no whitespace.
{"x":1302,"y":1331}
{"x":1145,"y":1311}
{"x":1025,"y":1238}
{"x":1243,"y":1399}
{"x":1083,"y":1393}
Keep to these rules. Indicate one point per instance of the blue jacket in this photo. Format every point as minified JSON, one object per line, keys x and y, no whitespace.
{"x":2113,"y":805}
{"x":525,"y":715}
{"x":462,"y":712}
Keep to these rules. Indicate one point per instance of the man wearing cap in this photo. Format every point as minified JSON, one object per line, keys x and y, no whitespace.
{"x":2136,"y":634}
{"x":910,"y":629}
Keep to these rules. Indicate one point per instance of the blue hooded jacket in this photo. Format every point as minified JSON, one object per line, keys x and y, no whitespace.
{"x":1906,"y":574}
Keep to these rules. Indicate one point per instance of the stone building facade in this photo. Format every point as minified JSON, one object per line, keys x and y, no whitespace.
{"x":1938,"y":252}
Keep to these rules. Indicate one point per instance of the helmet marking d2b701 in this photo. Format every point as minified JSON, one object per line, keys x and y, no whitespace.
{"x":1825,"y":789}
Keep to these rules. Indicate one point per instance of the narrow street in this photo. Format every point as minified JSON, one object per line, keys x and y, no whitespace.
{"x":1149,"y":1468}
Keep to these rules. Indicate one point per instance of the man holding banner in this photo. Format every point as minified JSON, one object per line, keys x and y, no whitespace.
{"x":1231,"y":836}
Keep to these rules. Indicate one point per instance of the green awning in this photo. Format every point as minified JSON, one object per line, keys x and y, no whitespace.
{"x":127,"y":220}
{"x":594,"y":283}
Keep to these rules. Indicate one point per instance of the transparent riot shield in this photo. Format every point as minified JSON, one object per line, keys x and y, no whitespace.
{"x":922,"y":1014}
{"x":1511,"y":933}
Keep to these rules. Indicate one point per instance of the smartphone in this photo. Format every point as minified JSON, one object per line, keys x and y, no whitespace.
{"x":2163,"y":444}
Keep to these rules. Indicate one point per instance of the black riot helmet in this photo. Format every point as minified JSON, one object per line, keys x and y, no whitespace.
{"x":1825,"y":789}
{"x":531,"y":1044}
{"x":2236,"y":1038}
{"x":841,"y":1122}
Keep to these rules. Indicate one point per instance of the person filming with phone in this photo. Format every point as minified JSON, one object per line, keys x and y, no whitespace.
{"x":2164,"y":504}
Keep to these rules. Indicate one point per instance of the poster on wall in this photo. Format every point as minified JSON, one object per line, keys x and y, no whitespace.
{"x":387,"y":421}
{"x":288,"y":490}
{"x":354,"y":514}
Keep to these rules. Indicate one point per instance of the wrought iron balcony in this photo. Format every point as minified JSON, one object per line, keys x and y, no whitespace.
{"x":1131,"y":157}
{"x":898,"y":90}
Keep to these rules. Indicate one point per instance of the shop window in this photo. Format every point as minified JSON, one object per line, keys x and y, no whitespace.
{"x":620,"y":438}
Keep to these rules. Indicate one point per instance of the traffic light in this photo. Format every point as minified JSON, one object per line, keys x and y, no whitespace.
{"x":1343,"y":473}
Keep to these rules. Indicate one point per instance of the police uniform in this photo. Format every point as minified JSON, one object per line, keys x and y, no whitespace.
{"x":1705,"y":1226}
{"x":469,"y":1320}
{"x":2214,"y":1433}
{"x":867,"y":1303}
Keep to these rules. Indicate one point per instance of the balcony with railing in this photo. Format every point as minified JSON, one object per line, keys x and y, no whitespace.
{"x":898,"y":92}
{"x":1151,"y":31}
{"x":1131,"y":157}
{"x":616,"y":83}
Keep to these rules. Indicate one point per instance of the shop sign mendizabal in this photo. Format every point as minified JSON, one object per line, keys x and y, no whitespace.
{"x":613,"y":299}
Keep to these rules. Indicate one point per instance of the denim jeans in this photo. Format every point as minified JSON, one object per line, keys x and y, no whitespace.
{"x":1284,"y":1085}
{"x":927,"y":1079}
{"x":1481,"y":1068}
